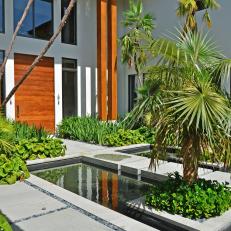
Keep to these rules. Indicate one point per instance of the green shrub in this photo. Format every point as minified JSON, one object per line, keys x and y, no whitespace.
{"x":12,"y":169}
{"x":39,"y":148}
{"x":4,"y":225}
{"x":202,"y":199}
{"x":124,"y":137}
{"x":87,"y":129}
{"x":25,"y":131}
{"x":149,"y":134}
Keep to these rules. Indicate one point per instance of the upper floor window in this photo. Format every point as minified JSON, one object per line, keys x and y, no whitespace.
{"x":1,"y":15}
{"x":69,"y":32}
{"x":39,"y":21}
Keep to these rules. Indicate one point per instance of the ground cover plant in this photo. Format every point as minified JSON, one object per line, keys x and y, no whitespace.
{"x":201,"y":199}
{"x":124,"y":137}
{"x":39,"y":148}
{"x":4,"y":224}
{"x":12,"y":169}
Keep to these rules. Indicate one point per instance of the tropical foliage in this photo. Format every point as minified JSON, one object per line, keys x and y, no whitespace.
{"x":181,"y":97}
{"x":25,"y":131}
{"x":202,"y":199}
{"x":4,"y":224}
{"x":12,"y":169}
{"x":189,"y":8}
{"x":39,"y":148}
{"x":139,"y":27}
{"x":91,"y":130}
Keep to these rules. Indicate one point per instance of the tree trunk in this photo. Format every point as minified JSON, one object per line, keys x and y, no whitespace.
{"x":43,"y":52}
{"x":191,"y":152}
{"x":9,"y":49}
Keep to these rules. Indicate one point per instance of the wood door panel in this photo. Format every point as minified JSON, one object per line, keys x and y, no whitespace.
{"x":34,"y":100}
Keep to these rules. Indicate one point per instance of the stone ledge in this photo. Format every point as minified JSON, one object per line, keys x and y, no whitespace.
{"x":221,"y":223}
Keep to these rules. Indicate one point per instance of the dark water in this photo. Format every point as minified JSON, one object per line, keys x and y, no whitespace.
{"x":103,"y":187}
{"x":98,"y":185}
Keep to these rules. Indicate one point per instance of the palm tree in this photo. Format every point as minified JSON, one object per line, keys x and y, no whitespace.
{"x":139,"y":27}
{"x":190,"y":69}
{"x":189,"y":8}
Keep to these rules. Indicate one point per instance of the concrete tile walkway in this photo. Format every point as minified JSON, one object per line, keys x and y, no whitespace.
{"x":30,"y":209}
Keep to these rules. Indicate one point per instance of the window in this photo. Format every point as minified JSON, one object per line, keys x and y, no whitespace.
{"x":3,"y":79}
{"x":69,"y":32}
{"x":39,"y":21}
{"x":69,"y":87}
{"x":132,"y":95}
{"x":2,"y":16}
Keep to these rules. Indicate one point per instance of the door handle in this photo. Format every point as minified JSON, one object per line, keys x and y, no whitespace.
{"x":17,"y":111}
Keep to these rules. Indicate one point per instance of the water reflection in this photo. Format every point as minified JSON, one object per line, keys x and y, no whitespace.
{"x":103,"y":187}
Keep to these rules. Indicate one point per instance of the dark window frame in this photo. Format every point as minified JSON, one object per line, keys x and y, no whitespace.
{"x":3,"y":17}
{"x":3,"y":83}
{"x":33,"y":18}
{"x":75,"y":43}
{"x":72,"y":70}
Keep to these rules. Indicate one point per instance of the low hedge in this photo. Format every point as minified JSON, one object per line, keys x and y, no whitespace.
{"x":12,"y":169}
{"x":39,"y":148}
{"x":202,"y":199}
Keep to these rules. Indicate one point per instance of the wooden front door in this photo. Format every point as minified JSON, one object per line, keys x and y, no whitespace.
{"x":34,"y":100}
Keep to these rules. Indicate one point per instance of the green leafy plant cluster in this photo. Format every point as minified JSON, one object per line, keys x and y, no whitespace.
{"x":87,"y":129}
{"x":39,"y":148}
{"x":201,"y":199}
{"x":91,"y":130}
{"x":25,"y":131}
{"x":4,"y":225}
{"x":12,"y":169}
{"x":124,"y":137}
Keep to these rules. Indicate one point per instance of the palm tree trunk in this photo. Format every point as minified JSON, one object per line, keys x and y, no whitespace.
{"x":43,"y":52}
{"x":191,"y":152}
{"x":9,"y":49}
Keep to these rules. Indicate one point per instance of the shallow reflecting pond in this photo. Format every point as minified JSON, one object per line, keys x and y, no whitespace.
{"x":98,"y":185}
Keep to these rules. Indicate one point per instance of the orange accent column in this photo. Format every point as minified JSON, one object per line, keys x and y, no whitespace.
{"x":115,"y":187}
{"x":105,"y":198}
{"x":112,"y":60}
{"x":102,"y":57}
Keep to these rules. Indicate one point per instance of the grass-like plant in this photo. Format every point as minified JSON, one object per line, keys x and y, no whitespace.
{"x":25,"y":131}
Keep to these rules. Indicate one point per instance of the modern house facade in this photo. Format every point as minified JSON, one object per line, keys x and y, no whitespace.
{"x":81,"y":73}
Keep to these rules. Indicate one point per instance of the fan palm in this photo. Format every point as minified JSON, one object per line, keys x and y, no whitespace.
{"x":190,"y":69}
{"x":196,"y":112}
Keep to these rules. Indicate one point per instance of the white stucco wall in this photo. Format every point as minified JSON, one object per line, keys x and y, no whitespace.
{"x":84,"y":52}
{"x":166,"y":22}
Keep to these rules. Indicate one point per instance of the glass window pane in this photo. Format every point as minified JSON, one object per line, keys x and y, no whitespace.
{"x":27,"y":26}
{"x":3,"y":79}
{"x":1,"y":56}
{"x":69,"y":87}
{"x":43,"y":17}
{"x":1,"y":16}
{"x":69,"y":30}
